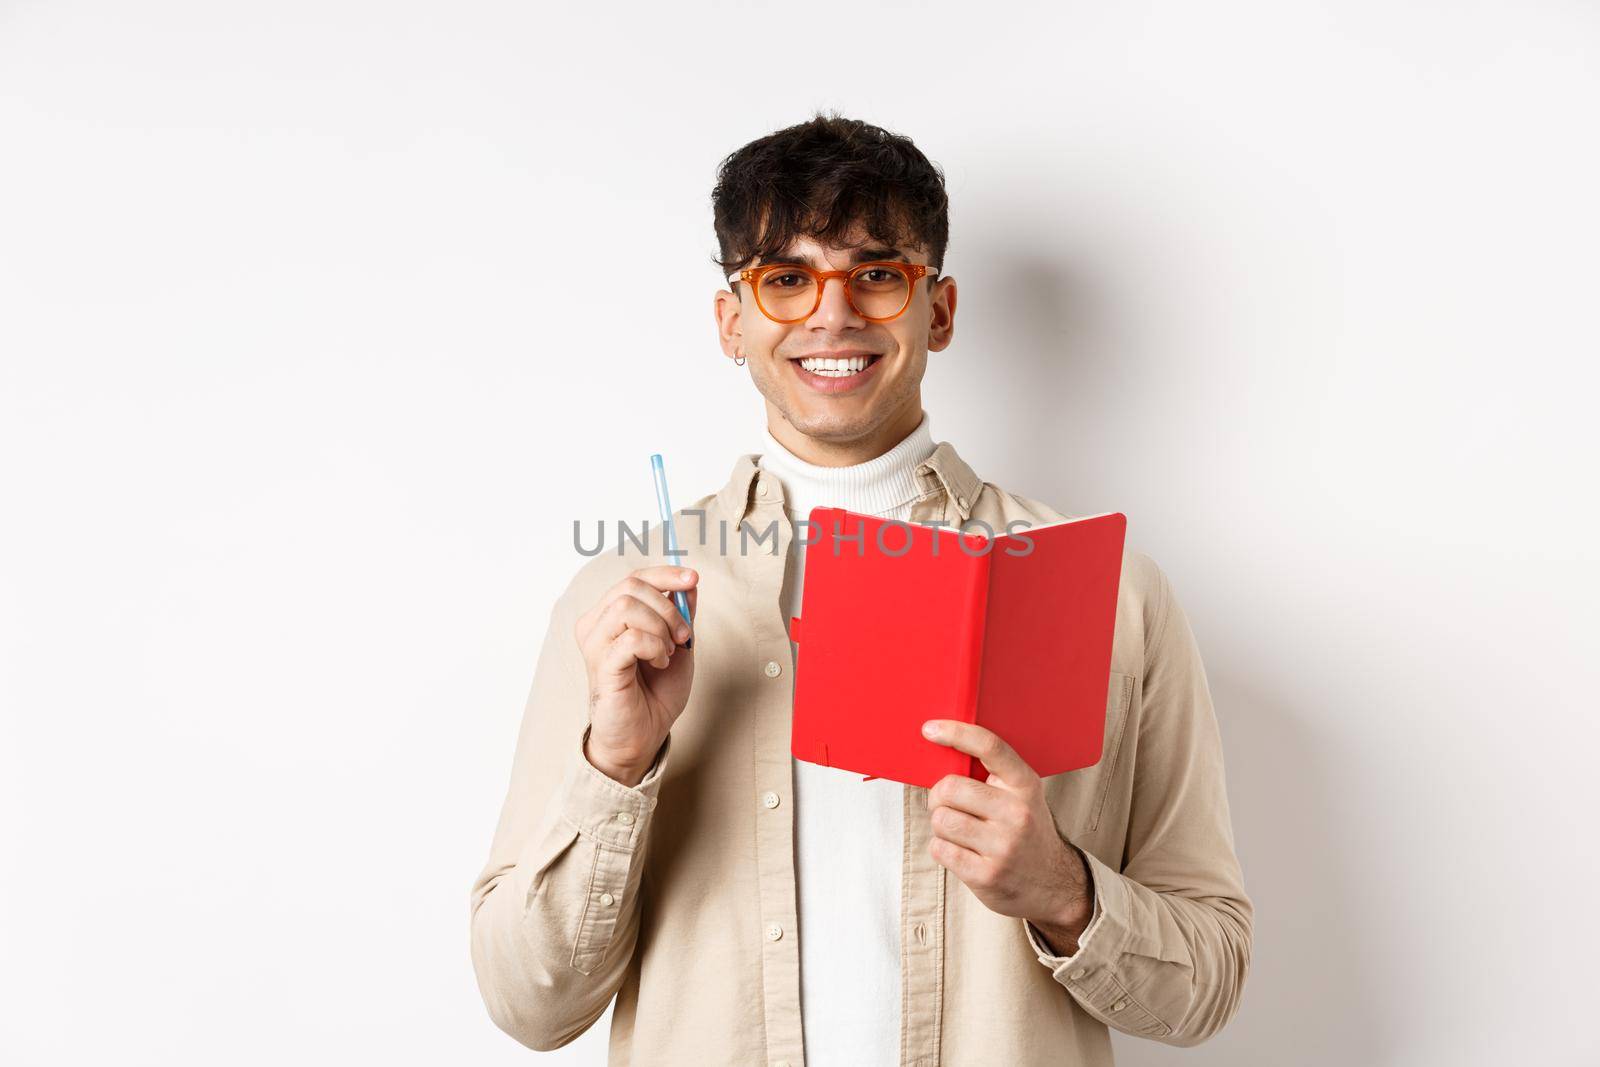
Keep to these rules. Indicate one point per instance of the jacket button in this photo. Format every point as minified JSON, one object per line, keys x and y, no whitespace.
{"x":1078,"y":974}
{"x":770,"y":799}
{"x":773,"y":670}
{"x":625,"y":818}
{"x":761,"y":489}
{"x":1119,"y":1005}
{"x":607,"y":899}
{"x":961,"y":501}
{"x":774,"y":932}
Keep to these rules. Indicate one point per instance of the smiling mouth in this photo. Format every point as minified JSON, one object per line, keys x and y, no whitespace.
{"x":837,"y":368}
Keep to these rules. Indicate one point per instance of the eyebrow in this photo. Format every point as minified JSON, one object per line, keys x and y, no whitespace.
{"x":860,"y":255}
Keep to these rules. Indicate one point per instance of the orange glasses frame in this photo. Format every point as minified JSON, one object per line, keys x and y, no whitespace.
{"x":752,"y":275}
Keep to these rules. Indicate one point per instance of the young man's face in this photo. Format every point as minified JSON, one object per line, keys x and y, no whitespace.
{"x":828,"y":419}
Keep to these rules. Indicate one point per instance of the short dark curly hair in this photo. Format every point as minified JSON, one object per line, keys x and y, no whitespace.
{"x":821,"y":177}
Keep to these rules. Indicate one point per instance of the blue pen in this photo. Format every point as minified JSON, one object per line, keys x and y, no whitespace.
{"x":679,"y":597}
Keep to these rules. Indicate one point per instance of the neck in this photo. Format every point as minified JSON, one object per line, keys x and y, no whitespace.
{"x":876,"y":486}
{"x":824,"y":453}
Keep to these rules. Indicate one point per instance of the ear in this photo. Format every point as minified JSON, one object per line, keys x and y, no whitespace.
{"x":729,"y":313}
{"x":942,"y":321}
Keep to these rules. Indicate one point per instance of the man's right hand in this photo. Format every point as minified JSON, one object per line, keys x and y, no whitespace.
{"x":639,"y":677}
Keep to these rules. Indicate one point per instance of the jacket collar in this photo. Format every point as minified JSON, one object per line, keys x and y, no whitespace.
{"x":943,"y":469}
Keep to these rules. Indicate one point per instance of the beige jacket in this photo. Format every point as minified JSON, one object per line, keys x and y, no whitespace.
{"x":677,"y":896}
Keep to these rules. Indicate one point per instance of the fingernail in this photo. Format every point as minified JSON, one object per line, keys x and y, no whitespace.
{"x":930,"y":729}
{"x":683,"y":633}
{"x":685,"y":573}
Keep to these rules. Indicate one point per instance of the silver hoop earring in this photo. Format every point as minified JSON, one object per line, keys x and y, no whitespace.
{"x":739,"y":360}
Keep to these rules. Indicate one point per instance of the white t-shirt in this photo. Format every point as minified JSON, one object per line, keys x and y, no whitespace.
{"x":848,"y":832}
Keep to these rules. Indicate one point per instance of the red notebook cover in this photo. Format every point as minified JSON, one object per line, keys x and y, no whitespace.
{"x":902,"y":624}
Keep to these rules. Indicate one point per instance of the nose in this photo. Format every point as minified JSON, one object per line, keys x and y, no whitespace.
{"x":834,"y":310}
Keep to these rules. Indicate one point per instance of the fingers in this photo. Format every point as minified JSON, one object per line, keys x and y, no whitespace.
{"x":965,"y":864}
{"x":632,"y":626}
{"x":1000,"y":758}
{"x":969,"y":795}
{"x":961,"y":828}
{"x":650,"y":586}
{"x":661,"y":601}
{"x":668,"y":580}
{"x":631,"y":646}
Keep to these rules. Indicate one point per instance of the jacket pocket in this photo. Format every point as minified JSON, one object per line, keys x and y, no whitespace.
{"x":1119,"y":698}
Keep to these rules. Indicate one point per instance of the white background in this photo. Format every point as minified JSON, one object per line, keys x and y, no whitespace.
{"x":310,"y":354}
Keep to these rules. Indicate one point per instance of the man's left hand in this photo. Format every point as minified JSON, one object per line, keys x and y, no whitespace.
{"x":999,"y":837}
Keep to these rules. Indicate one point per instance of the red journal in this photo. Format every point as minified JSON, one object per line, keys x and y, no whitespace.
{"x":905,"y":622}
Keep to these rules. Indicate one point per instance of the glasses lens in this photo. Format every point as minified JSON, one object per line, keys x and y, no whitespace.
{"x":880,"y":290}
{"x":787,"y":293}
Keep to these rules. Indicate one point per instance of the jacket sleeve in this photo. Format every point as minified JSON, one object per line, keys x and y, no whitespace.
{"x":555,"y":911}
{"x":1167,"y":949}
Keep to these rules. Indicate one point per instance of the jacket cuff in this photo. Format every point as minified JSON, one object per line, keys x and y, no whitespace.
{"x":1091,"y":974}
{"x":1092,"y":934}
{"x":602,"y":808}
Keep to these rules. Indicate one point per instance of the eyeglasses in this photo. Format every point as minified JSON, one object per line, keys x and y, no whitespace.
{"x":788,"y":293}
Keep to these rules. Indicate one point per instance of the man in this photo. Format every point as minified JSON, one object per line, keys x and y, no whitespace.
{"x":660,"y":845}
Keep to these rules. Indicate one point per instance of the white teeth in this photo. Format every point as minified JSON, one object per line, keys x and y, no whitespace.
{"x":836,"y":368}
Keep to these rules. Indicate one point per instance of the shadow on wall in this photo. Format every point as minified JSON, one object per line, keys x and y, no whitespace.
{"x":1065,"y":352}
{"x":1059,"y":347}
{"x":1310,"y":998}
